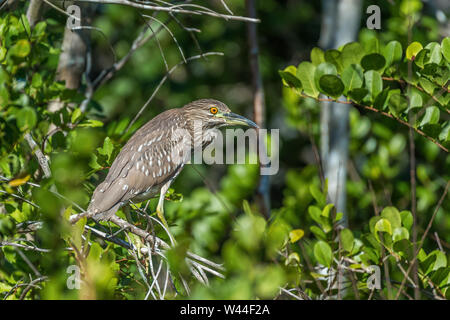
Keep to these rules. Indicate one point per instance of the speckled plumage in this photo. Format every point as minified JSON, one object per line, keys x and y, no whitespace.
{"x":148,"y":163}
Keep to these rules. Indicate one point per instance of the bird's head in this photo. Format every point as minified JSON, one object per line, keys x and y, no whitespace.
{"x":214,"y":114}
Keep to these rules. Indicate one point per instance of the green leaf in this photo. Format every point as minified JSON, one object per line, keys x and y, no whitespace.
{"x":347,"y":239}
{"x":323,"y":69}
{"x":305,"y":72}
{"x":421,"y":58}
{"x":431,"y":116}
{"x":3,"y":52}
{"x":75,"y":115}
{"x":412,"y":50}
{"x":374,"y":83}
{"x":317,"y":56}
{"x":409,"y":7}
{"x":397,"y":104}
{"x":435,"y":52}
{"x":107,"y":148}
{"x":326,"y":211}
{"x":296,"y":235}
{"x":415,"y":100}
{"x":333,"y":56}
{"x":318,"y":195}
{"x":445,"y":45}
{"x":36,"y":81}
{"x":373,"y":61}
{"x":318,"y":232}
{"x":26,"y":118}
{"x":400,"y":234}
{"x":427,"y":85}
{"x":91,"y":123}
{"x":358,"y":94}
{"x":383,"y":225}
{"x":323,"y":253}
{"x":392,"y":214}
{"x":352,"y":77}
{"x":331,"y":85}
{"x":351,"y":54}
{"x":289,"y":77}
{"x":392,"y":52}
{"x":381,"y":100}
{"x":20,"y":49}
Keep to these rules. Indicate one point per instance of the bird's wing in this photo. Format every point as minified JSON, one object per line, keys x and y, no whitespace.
{"x":146,"y":161}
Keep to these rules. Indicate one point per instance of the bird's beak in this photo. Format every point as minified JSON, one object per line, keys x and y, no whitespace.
{"x":235,"y":119}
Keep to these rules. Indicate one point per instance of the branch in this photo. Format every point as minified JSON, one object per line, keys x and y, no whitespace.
{"x":42,"y":159}
{"x":174,"y":9}
{"x":360,"y":106}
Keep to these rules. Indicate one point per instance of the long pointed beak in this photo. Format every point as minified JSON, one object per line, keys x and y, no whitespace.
{"x":233,"y":118}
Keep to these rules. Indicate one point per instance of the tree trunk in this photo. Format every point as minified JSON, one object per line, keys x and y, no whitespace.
{"x":340,"y":25}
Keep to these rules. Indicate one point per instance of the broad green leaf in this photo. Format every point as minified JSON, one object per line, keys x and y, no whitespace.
{"x":351,"y":54}
{"x":392,"y":214}
{"x":371,"y":45}
{"x":392,"y":52}
{"x":323,"y":69}
{"x":296,"y":235}
{"x":445,"y":45}
{"x":352,"y":77}
{"x":400,"y":234}
{"x":347,"y":239}
{"x":412,"y":50}
{"x":75,"y":115}
{"x":445,"y":133}
{"x":2,"y":53}
{"x":326,"y":211}
{"x":305,"y":72}
{"x":331,"y":85}
{"x":323,"y":253}
{"x":415,"y":100}
{"x":334,"y":56}
{"x":36,"y":81}
{"x":20,"y":49}
{"x":383,"y":225}
{"x":427,"y":85}
{"x":289,"y":77}
{"x":374,"y":83}
{"x":407,"y":219}
{"x":317,"y":56}
{"x":421,"y":58}
{"x":435,"y":52}
{"x":318,"y":232}
{"x":373,"y":61}
{"x":381,"y":100}
{"x":26,"y":118}
{"x":409,"y":7}
{"x":107,"y":148}
{"x":358,"y":94}
{"x":318,"y":195}
{"x":397,"y":104}
{"x":431,"y":116}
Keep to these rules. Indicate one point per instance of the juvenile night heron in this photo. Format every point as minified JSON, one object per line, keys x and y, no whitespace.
{"x":153,"y":157}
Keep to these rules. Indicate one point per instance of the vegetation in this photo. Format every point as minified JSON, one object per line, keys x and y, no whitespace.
{"x":57,"y":142}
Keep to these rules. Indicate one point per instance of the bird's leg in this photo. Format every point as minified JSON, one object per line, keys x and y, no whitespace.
{"x":127,"y":210}
{"x":160,"y":209}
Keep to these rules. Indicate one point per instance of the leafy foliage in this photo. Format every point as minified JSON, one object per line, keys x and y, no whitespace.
{"x":409,"y":85}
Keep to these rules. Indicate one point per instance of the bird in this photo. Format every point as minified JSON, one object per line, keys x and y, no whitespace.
{"x":154,"y":156}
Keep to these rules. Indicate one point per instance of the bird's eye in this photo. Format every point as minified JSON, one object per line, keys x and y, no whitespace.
{"x":213,"y":110}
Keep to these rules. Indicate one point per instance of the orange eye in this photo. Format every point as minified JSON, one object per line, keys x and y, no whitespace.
{"x":213,"y":110}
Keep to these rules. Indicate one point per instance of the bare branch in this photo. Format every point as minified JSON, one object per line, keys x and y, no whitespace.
{"x":174,"y":8}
